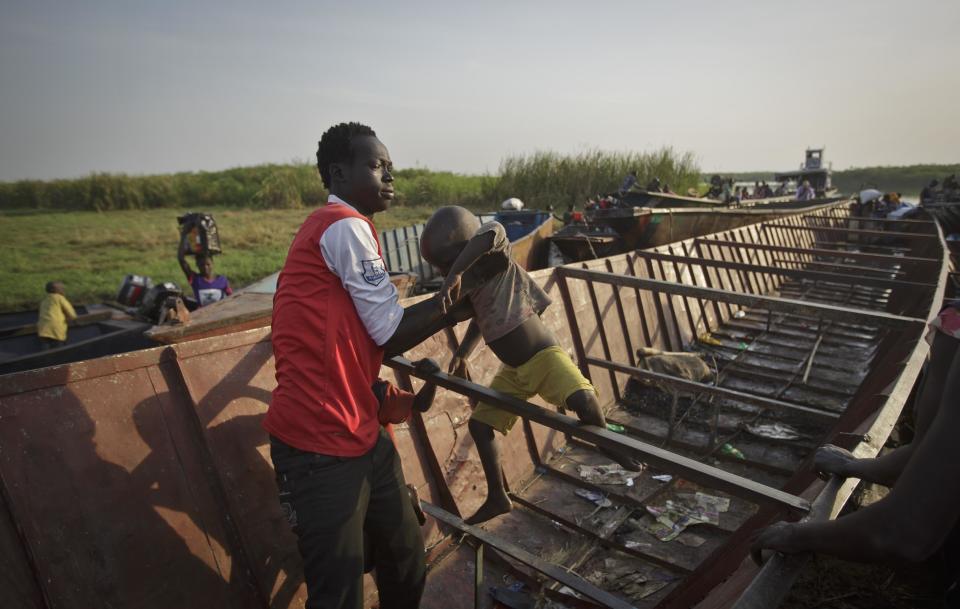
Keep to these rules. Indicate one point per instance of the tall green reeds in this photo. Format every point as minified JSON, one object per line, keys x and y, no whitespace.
{"x":264,"y":186}
{"x":547,"y":178}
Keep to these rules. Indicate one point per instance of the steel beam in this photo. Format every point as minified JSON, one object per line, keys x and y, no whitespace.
{"x":604,"y":542}
{"x":658,"y":457}
{"x":833,"y":266}
{"x":878,"y":282}
{"x":701,"y":388}
{"x":849,"y":219}
{"x":853,"y":231}
{"x":772,"y":303}
{"x":571,"y":580}
{"x":824,"y":253}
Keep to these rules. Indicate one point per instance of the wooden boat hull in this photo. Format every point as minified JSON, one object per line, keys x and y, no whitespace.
{"x":163,"y":449}
{"x":651,"y":227}
{"x":579,"y":242}
{"x":95,"y":337}
{"x":530,"y":251}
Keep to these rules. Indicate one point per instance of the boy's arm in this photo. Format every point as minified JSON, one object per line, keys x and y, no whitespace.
{"x":470,"y":341}
{"x":182,"y":256}
{"x":477,"y":246}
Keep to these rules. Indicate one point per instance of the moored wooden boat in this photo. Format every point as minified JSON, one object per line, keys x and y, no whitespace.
{"x":91,"y":335}
{"x":643,"y":227}
{"x":814,"y":330}
{"x":248,"y":308}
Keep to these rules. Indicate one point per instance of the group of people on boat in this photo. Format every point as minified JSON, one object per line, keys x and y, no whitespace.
{"x":726,"y":190}
{"x":336,"y":316}
{"x":631,"y":182}
{"x":937,"y":192}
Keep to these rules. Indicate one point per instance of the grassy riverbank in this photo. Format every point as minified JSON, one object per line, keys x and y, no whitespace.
{"x":91,"y":252}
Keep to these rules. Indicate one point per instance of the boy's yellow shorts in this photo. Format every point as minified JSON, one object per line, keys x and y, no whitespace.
{"x":550,"y":373}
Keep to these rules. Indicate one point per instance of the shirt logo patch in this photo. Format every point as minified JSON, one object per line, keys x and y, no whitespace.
{"x":373,"y":271}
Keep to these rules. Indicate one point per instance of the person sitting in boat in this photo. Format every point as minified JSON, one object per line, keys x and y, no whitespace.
{"x":919,"y":518}
{"x":207,"y":287}
{"x":628,"y":183}
{"x":55,"y":312}
{"x":507,"y":309}
{"x":928,"y":194}
{"x":806,"y":192}
{"x":716,"y":188}
{"x":729,"y":196}
{"x":654,"y":185}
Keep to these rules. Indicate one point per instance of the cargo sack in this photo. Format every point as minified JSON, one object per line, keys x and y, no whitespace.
{"x":201,"y":231}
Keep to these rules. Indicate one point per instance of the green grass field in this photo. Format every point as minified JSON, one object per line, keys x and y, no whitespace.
{"x":91,"y":252}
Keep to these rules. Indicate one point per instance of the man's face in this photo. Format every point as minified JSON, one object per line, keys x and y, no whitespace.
{"x":368,"y":176}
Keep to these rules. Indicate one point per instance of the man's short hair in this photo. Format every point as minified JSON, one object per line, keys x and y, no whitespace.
{"x":51,"y":286}
{"x":334,"y":147}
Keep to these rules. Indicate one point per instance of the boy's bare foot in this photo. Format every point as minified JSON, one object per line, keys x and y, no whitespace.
{"x":626,"y":460}
{"x":491,"y":508}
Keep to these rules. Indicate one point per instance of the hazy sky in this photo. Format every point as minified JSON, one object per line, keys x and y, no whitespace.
{"x":144,"y":87}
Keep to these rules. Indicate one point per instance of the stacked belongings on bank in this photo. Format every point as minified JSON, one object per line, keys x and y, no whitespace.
{"x":201,"y":232}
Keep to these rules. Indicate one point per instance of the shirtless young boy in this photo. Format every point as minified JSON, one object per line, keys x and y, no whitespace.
{"x":507,"y":311}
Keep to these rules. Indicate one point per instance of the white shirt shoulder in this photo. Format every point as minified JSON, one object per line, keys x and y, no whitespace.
{"x":349,"y":249}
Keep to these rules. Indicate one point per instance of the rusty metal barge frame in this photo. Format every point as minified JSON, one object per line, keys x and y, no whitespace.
{"x":144,"y":478}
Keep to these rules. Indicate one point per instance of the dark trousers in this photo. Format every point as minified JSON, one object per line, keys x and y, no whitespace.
{"x":331,"y":503}
{"x":50,"y":343}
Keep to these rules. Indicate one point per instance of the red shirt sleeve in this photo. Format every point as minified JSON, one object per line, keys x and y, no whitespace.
{"x":396,"y":405}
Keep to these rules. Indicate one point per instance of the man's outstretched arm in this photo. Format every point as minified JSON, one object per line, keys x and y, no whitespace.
{"x":421,"y":321}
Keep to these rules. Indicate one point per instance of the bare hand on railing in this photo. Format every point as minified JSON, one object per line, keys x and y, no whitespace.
{"x":778,"y":536}
{"x":449,"y":292}
{"x":426,"y":366}
{"x":830,"y":459}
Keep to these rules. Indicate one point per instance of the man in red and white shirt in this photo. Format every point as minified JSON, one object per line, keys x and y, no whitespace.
{"x":335,"y":315}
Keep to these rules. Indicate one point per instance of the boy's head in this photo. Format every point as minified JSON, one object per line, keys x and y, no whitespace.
{"x":355,"y":166}
{"x":205,"y":265}
{"x":446,"y":234}
{"x":54,"y":287}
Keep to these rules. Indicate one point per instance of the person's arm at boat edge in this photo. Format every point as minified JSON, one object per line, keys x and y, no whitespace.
{"x":350,"y":251}
{"x":914,"y":520}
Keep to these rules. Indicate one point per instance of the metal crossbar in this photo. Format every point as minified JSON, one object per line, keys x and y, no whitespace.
{"x":685,"y":467}
{"x":879,"y":282}
{"x":571,"y":580}
{"x":771,"y":303}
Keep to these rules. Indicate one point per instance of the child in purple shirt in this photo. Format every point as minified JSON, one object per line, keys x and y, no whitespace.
{"x":207,"y":287}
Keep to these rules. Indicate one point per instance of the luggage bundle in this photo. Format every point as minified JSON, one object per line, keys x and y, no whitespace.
{"x":201,"y":232}
{"x":156,"y":299}
{"x":133,"y":289}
